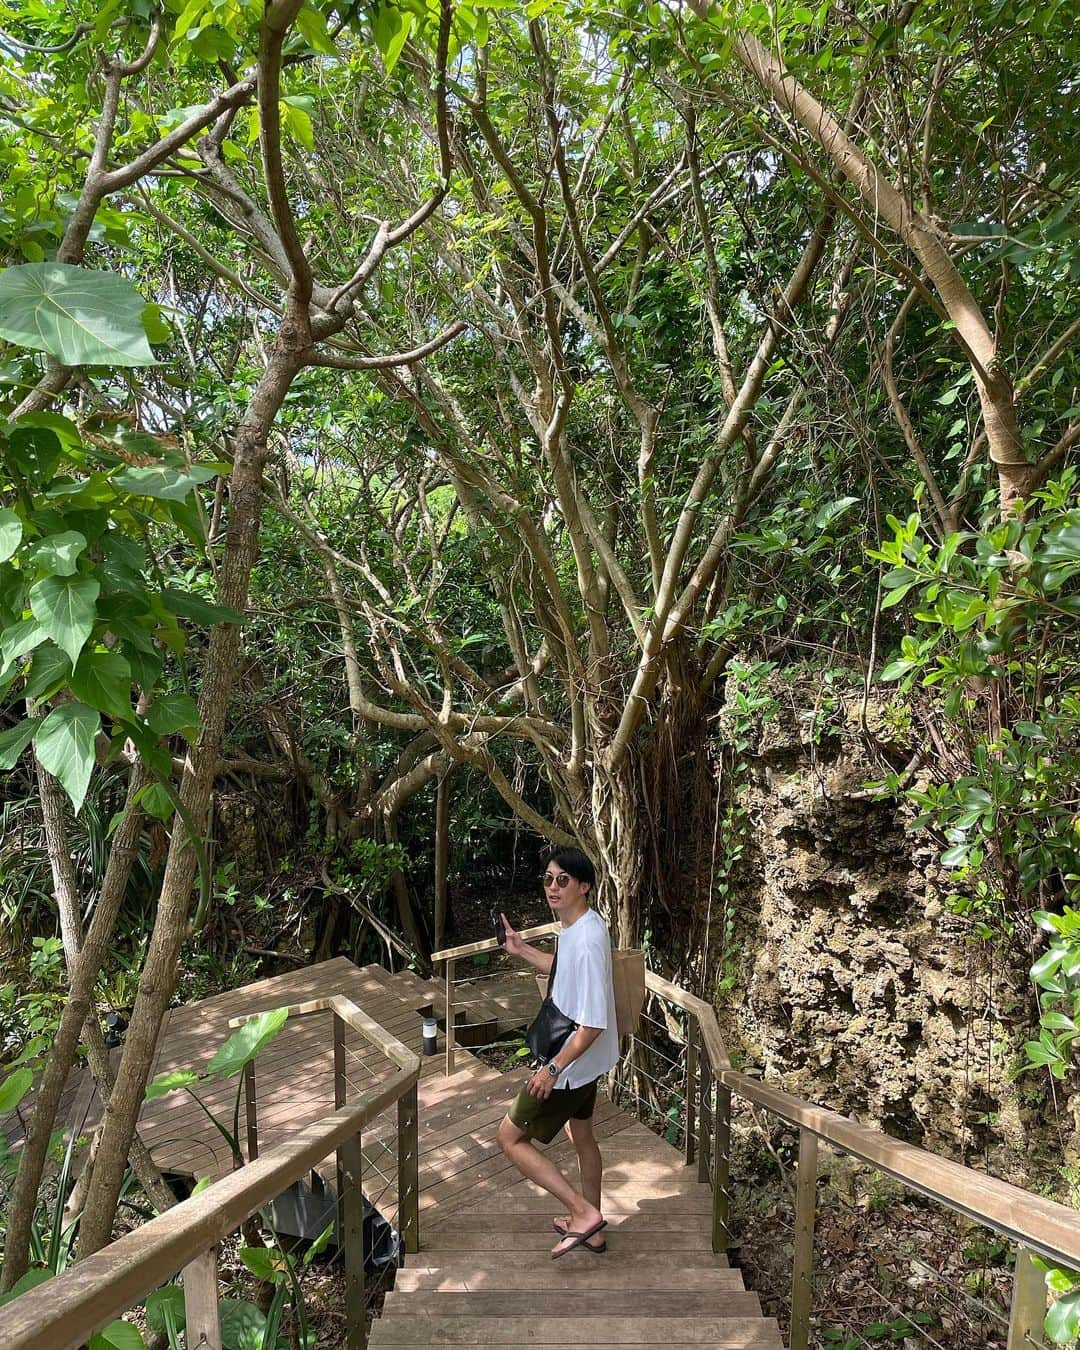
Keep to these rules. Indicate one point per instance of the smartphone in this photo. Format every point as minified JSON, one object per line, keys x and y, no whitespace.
{"x":497,"y":925}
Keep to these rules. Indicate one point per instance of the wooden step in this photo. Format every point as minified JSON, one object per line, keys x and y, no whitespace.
{"x":631,"y":1241}
{"x":659,"y":1276}
{"x":477,"y":1019}
{"x":719,"y":1333}
{"x":513,"y":996}
{"x":482,"y":1263}
{"x":721,"y":1302}
{"x":657,"y":1222}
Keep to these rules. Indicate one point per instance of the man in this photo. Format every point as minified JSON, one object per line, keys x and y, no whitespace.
{"x":563,"y":1092}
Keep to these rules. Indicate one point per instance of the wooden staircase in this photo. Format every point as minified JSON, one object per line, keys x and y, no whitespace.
{"x":484,"y":1275}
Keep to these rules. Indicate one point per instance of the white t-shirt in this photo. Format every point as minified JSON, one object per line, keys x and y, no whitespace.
{"x":584,"y":992}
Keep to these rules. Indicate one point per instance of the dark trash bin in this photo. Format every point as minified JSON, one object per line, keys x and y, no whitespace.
{"x":307,"y":1207}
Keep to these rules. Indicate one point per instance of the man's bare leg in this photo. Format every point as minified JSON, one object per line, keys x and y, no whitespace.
{"x":590,"y":1169}
{"x":538,"y":1167}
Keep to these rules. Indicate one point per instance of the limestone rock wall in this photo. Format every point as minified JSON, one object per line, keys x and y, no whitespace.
{"x":857,"y":988}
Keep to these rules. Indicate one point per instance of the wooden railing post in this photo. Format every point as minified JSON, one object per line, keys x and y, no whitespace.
{"x":690,"y":1141}
{"x":704,"y":1120}
{"x":1028,"y":1303}
{"x":721,"y":1170}
{"x":450,"y":1017}
{"x":408,"y":1171}
{"x":251,"y":1111}
{"x":350,"y":1165}
{"x":202,"y":1312}
{"x":802,"y":1275}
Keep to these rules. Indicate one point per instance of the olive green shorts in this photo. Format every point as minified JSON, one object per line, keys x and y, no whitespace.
{"x":542,"y":1120}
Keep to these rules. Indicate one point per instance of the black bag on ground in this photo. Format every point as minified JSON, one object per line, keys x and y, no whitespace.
{"x":550,"y":1029}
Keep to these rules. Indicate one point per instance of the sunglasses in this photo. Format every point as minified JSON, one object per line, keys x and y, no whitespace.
{"x":559,"y":879}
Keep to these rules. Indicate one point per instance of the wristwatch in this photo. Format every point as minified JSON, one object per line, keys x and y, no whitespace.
{"x":552,"y":1069}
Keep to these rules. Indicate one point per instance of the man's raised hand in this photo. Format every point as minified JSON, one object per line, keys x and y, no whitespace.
{"x":514,"y":942}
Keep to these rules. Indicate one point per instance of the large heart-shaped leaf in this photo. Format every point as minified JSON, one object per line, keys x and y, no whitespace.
{"x":10,"y":533}
{"x":20,"y":638}
{"x":49,"y":671}
{"x":59,"y":554}
{"x":13,"y":742}
{"x":64,"y":606}
{"x":165,"y":1305}
{"x":173,"y":712}
{"x":158,"y":480}
{"x":65,"y":746}
{"x":82,"y":317}
{"x":170,"y":1081}
{"x":118,"y":1336}
{"x":103,"y":680}
{"x":245,"y":1043}
{"x":26,"y":1282}
{"x":242,"y":1325}
{"x":1063,"y":1319}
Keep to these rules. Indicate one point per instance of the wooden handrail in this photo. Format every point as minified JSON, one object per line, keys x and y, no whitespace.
{"x":1043,"y":1226}
{"x":492,"y":944}
{"x":1049,"y":1229}
{"x":63,"y":1313}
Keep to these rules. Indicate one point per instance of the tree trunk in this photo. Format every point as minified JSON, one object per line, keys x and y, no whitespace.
{"x":620,"y":840}
{"x":82,"y":977}
{"x":160,"y":971}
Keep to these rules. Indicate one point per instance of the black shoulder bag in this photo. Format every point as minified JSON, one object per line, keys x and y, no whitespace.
{"x":550,"y":1029}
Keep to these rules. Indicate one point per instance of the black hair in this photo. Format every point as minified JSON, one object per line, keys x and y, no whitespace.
{"x":575,"y":862}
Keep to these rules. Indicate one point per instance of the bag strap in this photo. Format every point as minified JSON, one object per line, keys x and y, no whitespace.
{"x":554,"y":967}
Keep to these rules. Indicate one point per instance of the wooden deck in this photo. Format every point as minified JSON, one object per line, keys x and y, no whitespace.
{"x":483,"y":1275}
{"x":294,"y":1074}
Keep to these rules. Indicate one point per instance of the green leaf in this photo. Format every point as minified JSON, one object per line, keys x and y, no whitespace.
{"x":102,"y":679}
{"x":49,"y":672}
{"x":14,"y":741}
{"x":65,"y":746}
{"x":64,"y":606}
{"x":320,"y":1244}
{"x":1063,"y":1320}
{"x":246,"y":1042}
{"x":895,"y":670}
{"x":20,"y":638}
{"x":11,"y":531}
{"x":156,"y":802}
{"x":171,"y":713}
{"x":1062,"y":545}
{"x":82,"y":317}
{"x":897,"y":594}
{"x":14,"y":1088}
{"x":1047,"y":964}
{"x":157,"y":330}
{"x":298,"y":124}
{"x":58,"y":555}
{"x":118,"y":1336}
{"x":242,"y":1325}
{"x":165,"y":1083}
{"x":170,"y":1297}
{"x":194,"y":607}
{"x":161,"y":482}
{"x":262,"y":1263}
{"x":29,"y":1281}
{"x":311,"y":25}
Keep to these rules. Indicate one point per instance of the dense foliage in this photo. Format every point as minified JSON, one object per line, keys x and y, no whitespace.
{"x":427,"y":411}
